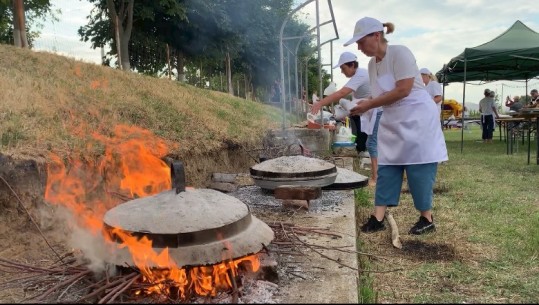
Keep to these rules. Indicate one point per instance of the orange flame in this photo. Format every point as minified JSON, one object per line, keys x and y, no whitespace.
{"x":131,"y":167}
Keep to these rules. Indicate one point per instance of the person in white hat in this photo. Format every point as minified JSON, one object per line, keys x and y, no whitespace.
{"x":487,"y":108}
{"x":433,"y":87}
{"x":357,"y":85}
{"x":410,"y":139}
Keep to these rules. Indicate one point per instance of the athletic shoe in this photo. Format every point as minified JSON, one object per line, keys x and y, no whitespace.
{"x":423,"y":226}
{"x":373,"y":225}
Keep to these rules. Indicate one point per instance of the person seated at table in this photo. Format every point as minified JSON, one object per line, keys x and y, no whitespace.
{"x":534,"y":103}
{"x":513,"y":104}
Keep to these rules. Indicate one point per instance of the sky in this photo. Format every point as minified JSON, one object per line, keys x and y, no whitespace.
{"x":435,"y":31}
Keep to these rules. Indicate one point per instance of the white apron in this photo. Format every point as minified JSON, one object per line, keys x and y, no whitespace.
{"x":368,"y":119}
{"x":409,"y":131}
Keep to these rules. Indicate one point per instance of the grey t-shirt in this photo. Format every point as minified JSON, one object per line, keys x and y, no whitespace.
{"x":516,"y":106}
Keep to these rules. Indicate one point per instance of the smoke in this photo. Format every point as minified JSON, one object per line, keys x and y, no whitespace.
{"x":92,"y":248}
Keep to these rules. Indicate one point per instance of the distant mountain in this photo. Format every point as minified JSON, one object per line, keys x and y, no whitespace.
{"x":472,"y":106}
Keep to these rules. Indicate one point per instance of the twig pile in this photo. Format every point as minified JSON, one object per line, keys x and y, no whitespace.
{"x":287,"y":238}
{"x":73,"y":282}
{"x":68,"y":281}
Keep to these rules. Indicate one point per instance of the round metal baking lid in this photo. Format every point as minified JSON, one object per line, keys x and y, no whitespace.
{"x":199,"y":227}
{"x":347,"y":180}
{"x":292,"y":167}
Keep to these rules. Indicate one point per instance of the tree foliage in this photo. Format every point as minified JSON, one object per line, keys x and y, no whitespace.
{"x":201,"y":35}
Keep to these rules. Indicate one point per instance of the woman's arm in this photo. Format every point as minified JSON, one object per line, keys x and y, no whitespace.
{"x":508,"y":102}
{"x":402,"y":89}
{"x":495,"y":111}
{"x":334,"y":97}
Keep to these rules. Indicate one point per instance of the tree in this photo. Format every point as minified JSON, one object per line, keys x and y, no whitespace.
{"x":203,"y":38}
{"x":150,"y":22}
{"x":18,"y":30}
{"x":121,"y":16}
{"x":111,"y":22}
{"x":19,"y":24}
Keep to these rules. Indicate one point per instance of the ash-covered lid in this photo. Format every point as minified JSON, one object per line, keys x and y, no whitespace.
{"x":347,"y":180}
{"x":292,"y":167}
{"x":198,"y":226}
{"x":170,"y":213}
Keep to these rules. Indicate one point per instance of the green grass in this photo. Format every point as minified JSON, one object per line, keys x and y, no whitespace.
{"x":487,"y":213}
{"x":366,"y":293}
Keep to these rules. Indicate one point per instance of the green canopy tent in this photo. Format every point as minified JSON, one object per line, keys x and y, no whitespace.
{"x":513,"y":55}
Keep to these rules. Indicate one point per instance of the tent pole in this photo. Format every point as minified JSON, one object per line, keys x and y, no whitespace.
{"x":526,"y":93}
{"x":501,"y":99}
{"x":463,"y":105}
{"x":442,"y":110}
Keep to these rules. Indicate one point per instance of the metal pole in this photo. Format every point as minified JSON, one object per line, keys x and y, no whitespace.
{"x":463,"y":105}
{"x":442,"y":110}
{"x":281,"y":54}
{"x":307,"y":79}
{"x":320,"y":91}
{"x":289,"y":90}
{"x":331,"y":59}
{"x":298,"y":94}
{"x":300,"y":80}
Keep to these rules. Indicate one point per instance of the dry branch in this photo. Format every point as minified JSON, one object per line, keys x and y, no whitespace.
{"x":70,"y":280}
{"x":395,"y":238}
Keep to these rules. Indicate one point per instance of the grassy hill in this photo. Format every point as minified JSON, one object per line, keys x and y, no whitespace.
{"x":51,"y":103}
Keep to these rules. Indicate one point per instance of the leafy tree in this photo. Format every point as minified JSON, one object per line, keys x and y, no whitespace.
{"x":120,"y":14}
{"x":35,"y":11}
{"x":111,"y":22}
{"x":150,"y":22}
{"x":205,"y":40}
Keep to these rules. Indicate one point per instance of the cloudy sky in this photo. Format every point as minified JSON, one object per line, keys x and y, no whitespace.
{"x":435,"y":31}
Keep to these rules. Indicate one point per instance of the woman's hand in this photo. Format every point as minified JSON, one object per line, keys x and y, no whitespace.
{"x":361,"y":107}
{"x":316,"y":108}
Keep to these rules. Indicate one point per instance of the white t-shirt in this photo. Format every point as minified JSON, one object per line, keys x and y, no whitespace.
{"x":359,"y":83}
{"x":434,"y":88}
{"x":485,"y":106}
{"x":407,"y":68}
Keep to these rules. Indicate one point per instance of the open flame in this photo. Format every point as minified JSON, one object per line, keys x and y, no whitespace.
{"x":131,"y":167}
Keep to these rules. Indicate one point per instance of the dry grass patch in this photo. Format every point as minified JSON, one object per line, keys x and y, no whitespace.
{"x":50,"y":102}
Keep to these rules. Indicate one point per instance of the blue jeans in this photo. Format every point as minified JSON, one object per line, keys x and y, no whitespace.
{"x":487,"y":121}
{"x":372,"y":140}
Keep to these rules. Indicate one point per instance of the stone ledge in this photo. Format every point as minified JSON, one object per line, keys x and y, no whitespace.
{"x":328,"y":281}
{"x":320,"y":279}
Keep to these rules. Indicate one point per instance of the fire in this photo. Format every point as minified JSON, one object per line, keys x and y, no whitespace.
{"x":132,"y":167}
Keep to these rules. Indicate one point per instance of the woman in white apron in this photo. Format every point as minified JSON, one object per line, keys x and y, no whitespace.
{"x":409,"y":137}
{"x":433,"y":88}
